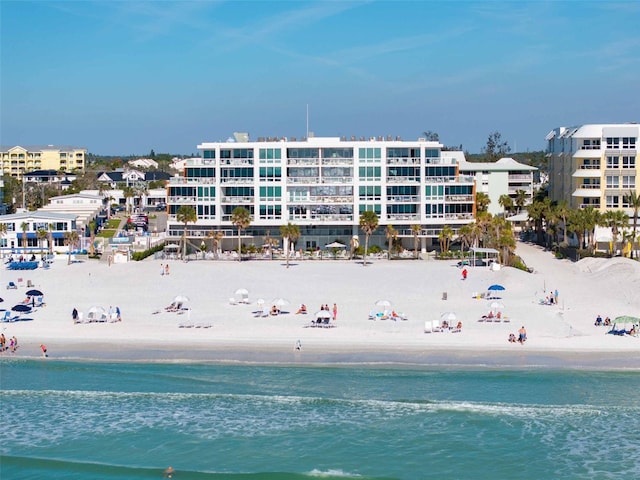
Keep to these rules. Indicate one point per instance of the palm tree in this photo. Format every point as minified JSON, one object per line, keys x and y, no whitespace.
{"x":290,"y":234}
{"x":41,"y":235}
{"x":506,"y":202}
{"x":241,"y":218}
{"x":368,"y":224}
{"x":465,"y":234}
{"x":128,"y":193}
{"x":24,"y":226}
{"x":3,"y":230}
{"x":92,"y":237}
{"x":139,"y":190}
{"x":633,"y":199}
{"x":50,"y":237}
{"x":71,"y":240}
{"x":215,"y":236}
{"x":616,"y":220}
{"x":482,"y":202}
{"x":562,"y":211}
{"x":521,"y":199}
{"x":537,"y":211}
{"x":391,"y":234}
{"x":445,"y":236}
{"x":577,"y":223}
{"x":592,"y":218}
{"x":416,"y":230}
{"x":186,"y":214}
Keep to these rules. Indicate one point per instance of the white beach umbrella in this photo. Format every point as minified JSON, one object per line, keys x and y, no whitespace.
{"x":280,"y":302}
{"x":449,"y":316}
{"x":180,"y":299}
{"x":323,"y":314}
{"x":260,"y":301}
{"x":383,"y":303}
{"x":242,"y":291}
{"x":97,"y":310}
{"x":496,"y":306}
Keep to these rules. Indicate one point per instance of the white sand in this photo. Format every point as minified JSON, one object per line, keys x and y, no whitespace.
{"x":559,"y":335}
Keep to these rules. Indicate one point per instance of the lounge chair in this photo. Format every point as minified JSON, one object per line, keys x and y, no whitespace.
{"x":11,"y":285}
{"x":6,"y":317}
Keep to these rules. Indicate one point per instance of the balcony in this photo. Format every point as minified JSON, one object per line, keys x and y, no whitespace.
{"x":403,"y":198}
{"x":303,"y":180}
{"x":182,"y":200}
{"x":587,"y":171}
{"x":320,"y":199}
{"x":337,"y":179}
{"x":518,"y":177}
{"x":337,"y":161}
{"x":403,"y":179}
{"x":241,"y":180}
{"x":588,"y":153}
{"x":458,"y":198}
{"x":403,"y":161}
{"x":590,"y":191}
{"x":232,"y":199}
{"x":303,"y":162}
{"x":406,"y":217}
{"x":192,"y":181}
{"x":236,"y":162}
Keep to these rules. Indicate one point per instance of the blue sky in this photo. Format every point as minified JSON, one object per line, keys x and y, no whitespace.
{"x":125,"y":77}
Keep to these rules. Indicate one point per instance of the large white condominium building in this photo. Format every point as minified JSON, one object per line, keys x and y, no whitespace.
{"x":594,"y":165}
{"x":322,"y":185}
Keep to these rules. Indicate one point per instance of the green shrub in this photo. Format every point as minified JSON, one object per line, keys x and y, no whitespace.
{"x":137,"y":256}
{"x":375,"y":249}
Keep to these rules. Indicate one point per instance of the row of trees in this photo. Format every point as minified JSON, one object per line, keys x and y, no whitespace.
{"x":550,"y":218}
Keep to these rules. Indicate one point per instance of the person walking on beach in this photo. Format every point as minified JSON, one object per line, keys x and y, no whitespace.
{"x":43,"y":348}
{"x":161,"y":269}
{"x":555,"y":296}
{"x":464,"y":274}
{"x":166,"y":269}
{"x":522,"y":335}
{"x":335,"y":312}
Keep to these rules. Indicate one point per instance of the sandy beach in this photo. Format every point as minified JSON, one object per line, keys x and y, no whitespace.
{"x":561,"y":335}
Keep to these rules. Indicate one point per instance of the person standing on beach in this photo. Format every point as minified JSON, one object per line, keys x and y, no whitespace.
{"x":555,"y":296}
{"x":43,"y":348}
{"x":335,"y":312}
{"x":464,"y":274}
{"x":522,"y":335}
{"x":161,"y":269}
{"x":166,"y":269}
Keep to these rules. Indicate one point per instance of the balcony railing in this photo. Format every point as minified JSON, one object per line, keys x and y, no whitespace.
{"x":236,"y":162}
{"x":320,"y":199}
{"x":403,"y":216}
{"x":305,"y":180}
{"x":403,"y":198}
{"x":586,"y":205}
{"x":403,"y":161}
{"x":403,"y":179}
{"x":337,"y":161}
{"x":458,"y":198}
{"x":520,"y":177}
{"x":243,"y":180}
{"x":304,"y":161}
{"x":337,"y":179}
{"x":232,"y":199}
{"x":182,"y":200}
{"x":191,"y":180}
{"x":589,"y":167}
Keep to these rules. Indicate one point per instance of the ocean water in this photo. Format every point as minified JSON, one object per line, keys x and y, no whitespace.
{"x":91,"y":420}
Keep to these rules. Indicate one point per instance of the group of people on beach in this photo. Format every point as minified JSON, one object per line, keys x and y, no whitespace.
{"x":602,"y":323}
{"x":521,"y":338}
{"x":12,"y":346}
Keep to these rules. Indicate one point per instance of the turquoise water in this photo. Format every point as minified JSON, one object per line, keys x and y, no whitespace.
{"x":73,"y":420}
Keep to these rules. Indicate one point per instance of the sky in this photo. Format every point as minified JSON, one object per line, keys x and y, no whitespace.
{"x":126,"y":77}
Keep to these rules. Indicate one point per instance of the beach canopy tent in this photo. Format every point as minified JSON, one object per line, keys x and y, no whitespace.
{"x":485,"y":255}
{"x":171,"y":247}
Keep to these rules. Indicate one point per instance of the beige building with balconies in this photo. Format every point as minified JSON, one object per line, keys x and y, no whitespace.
{"x":16,"y":160}
{"x":594,"y":165}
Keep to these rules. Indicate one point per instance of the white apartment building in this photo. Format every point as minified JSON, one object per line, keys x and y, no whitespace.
{"x":504,"y":177}
{"x":594,"y":165}
{"x":322,"y":184}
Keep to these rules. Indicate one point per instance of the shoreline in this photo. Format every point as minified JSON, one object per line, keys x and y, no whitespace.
{"x":323,"y":356}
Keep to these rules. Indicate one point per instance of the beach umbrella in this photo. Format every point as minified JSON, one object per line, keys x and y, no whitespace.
{"x":97,"y":310}
{"x":323,"y":314}
{"x":260,"y":301}
{"x":242,"y":291}
{"x":34,"y":293}
{"x":21,"y":308}
{"x":495,"y":287}
{"x":449,"y":316}
{"x":1,"y":299}
{"x":627,"y":319}
{"x":172,"y":246}
{"x":180,"y":299}
{"x":280,"y":302}
{"x":335,"y":245}
{"x":383,"y":303}
{"x":496,"y":306}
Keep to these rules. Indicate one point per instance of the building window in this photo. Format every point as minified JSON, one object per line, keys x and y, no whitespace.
{"x":613,"y":201}
{"x":370,"y":192}
{"x":613,"y":162}
{"x":270,"y":155}
{"x":629,"y":142}
{"x":270,"y":174}
{"x":591,"y":144}
{"x":628,"y":181}
{"x":270,"y":212}
{"x":628,"y":162}
{"x":371,"y":208}
{"x":613,"y":181}
{"x":209,"y":154}
{"x":370,"y":155}
{"x":613,"y":142}
{"x":431,"y":153}
{"x":370,"y":173}
{"x":271,"y":193}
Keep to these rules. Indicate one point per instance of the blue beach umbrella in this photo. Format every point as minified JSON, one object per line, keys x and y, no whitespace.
{"x":21,"y":308}
{"x":495,"y":287}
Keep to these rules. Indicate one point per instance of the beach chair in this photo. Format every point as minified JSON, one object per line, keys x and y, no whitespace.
{"x":436,"y":326}
{"x":6,"y":317}
{"x":11,"y":285}
{"x":30,"y":284}
{"x":39,"y":302}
